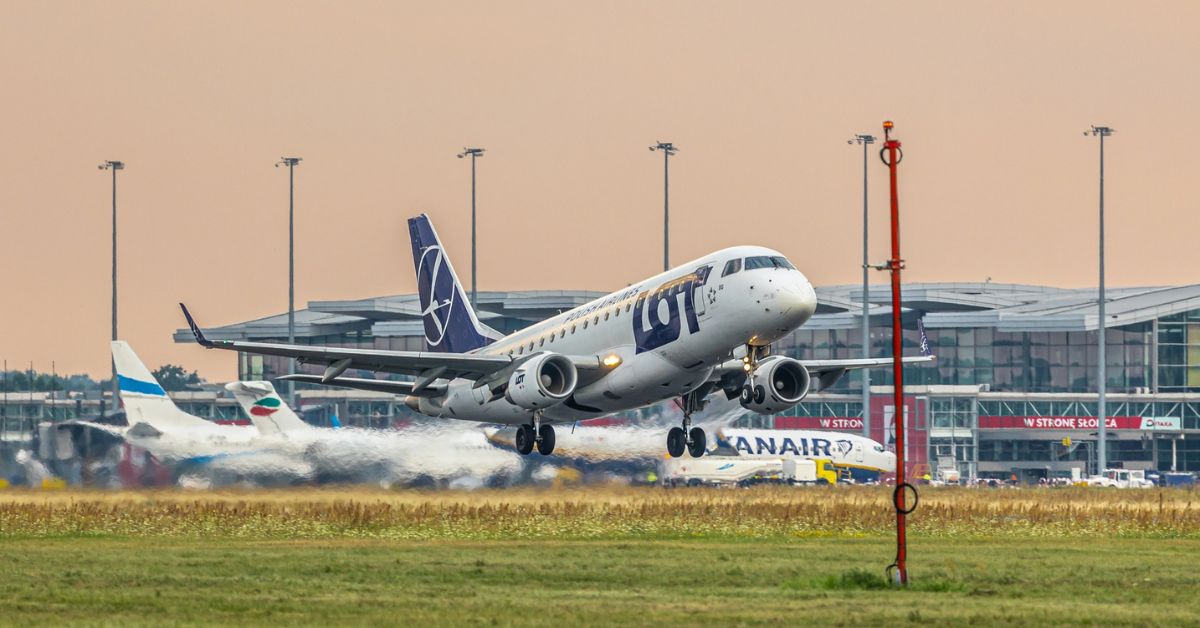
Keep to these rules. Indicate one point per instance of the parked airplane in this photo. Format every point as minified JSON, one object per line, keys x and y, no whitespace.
{"x":157,"y":425}
{"x":702,"y":327}
{"x":441,"y":454}
{"x":848,"y":451}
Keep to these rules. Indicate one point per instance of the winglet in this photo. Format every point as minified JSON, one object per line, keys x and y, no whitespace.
{"x":200,"y":339}
{"x":924,"y":339}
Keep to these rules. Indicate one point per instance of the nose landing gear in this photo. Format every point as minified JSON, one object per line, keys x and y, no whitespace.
{"x":687,"y":437}
{"x":533,"y":435}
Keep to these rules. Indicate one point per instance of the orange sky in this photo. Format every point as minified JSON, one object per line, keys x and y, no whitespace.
{"x":200,"y":99}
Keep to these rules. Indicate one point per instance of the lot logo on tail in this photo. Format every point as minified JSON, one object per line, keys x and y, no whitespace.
{"x":436,"y":287}
{"x":266,"y":406}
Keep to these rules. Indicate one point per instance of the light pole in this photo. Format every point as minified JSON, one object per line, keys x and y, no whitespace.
{"x":291,"y":163}
{"x":114,"y":166}
{"x":667,"y":149}
{"x":865,"y":141}
{"x":1102,"y":375}
{"x":474,"y":153}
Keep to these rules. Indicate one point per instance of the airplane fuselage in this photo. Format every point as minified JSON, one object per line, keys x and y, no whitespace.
{"x":668,"y":333}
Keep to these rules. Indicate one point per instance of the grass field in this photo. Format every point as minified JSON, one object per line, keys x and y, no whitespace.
{"x":597,"y":556}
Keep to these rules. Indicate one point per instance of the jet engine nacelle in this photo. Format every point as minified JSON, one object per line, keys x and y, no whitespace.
{"x":776,"y":385}
{"x":542,"y":381}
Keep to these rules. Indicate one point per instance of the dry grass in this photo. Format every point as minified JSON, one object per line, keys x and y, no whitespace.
{"x":597,"y":512}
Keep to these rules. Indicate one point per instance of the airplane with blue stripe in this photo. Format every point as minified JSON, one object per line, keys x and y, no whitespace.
{"x":155,"y":424}
{"x":700,"y":329}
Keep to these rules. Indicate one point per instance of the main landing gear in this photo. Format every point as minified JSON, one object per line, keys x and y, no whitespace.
{"x":687,"y":437}
{"x":535,"y":435}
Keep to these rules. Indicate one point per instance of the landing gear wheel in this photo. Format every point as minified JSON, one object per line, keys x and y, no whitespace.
{"x":747,"y":394}
{"x":676,"y":442}
{"x":545,"y":444}
{"x":696,"y":446}
{"x":525,"y":439}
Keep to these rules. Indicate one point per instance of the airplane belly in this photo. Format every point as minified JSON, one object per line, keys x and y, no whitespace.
{"x":643,"y":379}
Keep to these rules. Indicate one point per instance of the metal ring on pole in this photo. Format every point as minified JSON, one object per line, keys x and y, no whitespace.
{"x":883,"y":151}
{"x":896,"y":498}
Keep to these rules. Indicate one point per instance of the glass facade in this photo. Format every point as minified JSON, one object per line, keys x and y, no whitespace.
{"x":1020,"y":361}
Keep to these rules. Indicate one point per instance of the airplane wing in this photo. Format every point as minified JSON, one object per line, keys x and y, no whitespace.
{"x":426,"y":365}
{"x":729,"y":374}
{"x":380,"y":385}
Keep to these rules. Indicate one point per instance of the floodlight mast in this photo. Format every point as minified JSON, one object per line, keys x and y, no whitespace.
{"x":474,"y":153}
{"x":667,"y":149}
{"x":1102,"y":369}
{"x":865,"y":141}
{"x":291,"y":163}
{"x":114,"y":166}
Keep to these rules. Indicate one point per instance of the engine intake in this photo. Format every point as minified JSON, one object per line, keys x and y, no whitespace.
{"x":542,"y":381}
{"x":776,"y":385}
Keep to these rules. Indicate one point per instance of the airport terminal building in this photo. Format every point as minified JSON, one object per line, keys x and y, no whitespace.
{"x":1012,"y":391}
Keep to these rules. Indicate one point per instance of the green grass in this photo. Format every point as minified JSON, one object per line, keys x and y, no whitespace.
{"x":597,"y":556}
{"x":714,"y":581}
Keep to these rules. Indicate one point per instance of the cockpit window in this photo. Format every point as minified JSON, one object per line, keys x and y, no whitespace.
{"x":732,"y":266}
{"x":878,"y":448}
{"x":765,"y":261}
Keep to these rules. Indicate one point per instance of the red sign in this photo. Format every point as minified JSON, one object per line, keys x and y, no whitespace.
{"x":848,"y":424}
{"x":1058,"y":423}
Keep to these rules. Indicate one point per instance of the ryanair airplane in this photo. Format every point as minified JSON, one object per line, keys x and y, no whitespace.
{"x":863,"y":457}
{"x":702,"y":328}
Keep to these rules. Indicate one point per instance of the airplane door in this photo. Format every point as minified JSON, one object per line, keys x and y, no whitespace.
{"x":858,"y":452}
{"x":700,"y":294}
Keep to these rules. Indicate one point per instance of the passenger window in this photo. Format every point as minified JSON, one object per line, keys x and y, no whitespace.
{"x":563,"y":333}
{"x":596,"y":321}
{"x":732,"y":266}
{"x":572,"y":329}
{"x":627,"y":306}
{"x":585,"y":324}
{"x":541,"y":342}
{"x":531,"y":345}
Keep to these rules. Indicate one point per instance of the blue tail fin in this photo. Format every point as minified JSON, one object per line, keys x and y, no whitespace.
{"x":450,"y":322}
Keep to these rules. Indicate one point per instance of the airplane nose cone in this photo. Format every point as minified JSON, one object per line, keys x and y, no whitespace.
{"x":798,"y":302}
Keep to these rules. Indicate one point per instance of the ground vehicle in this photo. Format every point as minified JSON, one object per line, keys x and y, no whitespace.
{"x":809,"y":472}
{"x":1172,"y":478}
{"x":720,"y":470}
{"x":742,"y":471}
{"x":1121,"y":478}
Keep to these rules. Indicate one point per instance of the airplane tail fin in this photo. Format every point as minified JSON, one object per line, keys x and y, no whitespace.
{"x":451,"y":325}
{"x":144,"y":399}
{"x":266,"y":410}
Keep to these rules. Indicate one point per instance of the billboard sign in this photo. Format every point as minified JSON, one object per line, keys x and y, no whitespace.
{"x":1078,"y":423}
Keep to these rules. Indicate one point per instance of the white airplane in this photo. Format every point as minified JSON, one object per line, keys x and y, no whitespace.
{"x":156,"y":424}
{"x":849,"y":451}
{"x":702,"y":327}
{"x":371,"y":455}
